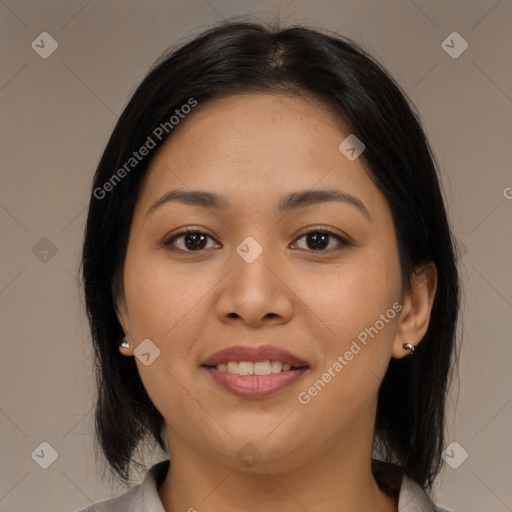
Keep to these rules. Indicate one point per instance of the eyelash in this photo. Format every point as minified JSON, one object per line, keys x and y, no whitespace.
{"x":342,"y":241}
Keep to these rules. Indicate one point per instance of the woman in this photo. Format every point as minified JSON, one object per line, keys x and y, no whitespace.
{"x":271,"y":282}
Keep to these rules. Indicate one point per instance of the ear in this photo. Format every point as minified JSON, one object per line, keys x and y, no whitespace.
{"x":416,"y":309}
{"x":121,"y":310}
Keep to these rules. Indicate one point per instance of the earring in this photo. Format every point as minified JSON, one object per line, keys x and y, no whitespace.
{"x":125,"y":343}
{"x":408,"y":346}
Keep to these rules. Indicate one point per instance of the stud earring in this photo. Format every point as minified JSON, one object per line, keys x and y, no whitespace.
{"x":408,"y":346}
{"x":125,"y":343}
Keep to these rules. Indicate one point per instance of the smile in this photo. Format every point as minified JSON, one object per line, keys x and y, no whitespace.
{"x":255,"y":386}
{"x":254,"y":372}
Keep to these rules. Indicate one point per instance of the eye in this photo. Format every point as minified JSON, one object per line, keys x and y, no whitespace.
{"x":320,"y":240}
{"x":189,"y":240}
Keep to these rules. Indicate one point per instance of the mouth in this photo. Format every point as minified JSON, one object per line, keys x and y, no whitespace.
{"x":254,"y":372}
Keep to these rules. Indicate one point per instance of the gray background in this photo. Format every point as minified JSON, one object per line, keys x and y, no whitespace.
{"x":57,"y":114}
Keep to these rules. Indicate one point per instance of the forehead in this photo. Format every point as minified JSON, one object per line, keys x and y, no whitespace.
{"x":257,"y":146}
{"x":259,"y":124}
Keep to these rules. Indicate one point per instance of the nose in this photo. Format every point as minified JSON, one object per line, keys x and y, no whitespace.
{"x":255,"y":294}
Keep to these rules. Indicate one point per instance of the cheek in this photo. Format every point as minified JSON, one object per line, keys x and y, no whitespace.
{"x":358,"y":308}
{"x":165,"y":305}
{"x":356,"y":303}
{"x":163,"y":298}
{"x":352,"y":297}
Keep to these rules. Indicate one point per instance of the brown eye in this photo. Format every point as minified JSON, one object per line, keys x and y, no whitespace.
{"x":189,"y":241}
{"x":320,"y":240}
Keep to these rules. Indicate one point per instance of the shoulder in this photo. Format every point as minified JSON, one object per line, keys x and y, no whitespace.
{"x":141,"y":498}
{"x":125,"y":502}
{"x":414,"y":498}
{"x":410,"y":495}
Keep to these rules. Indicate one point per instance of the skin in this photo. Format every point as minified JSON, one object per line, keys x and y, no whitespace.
{"x":253,"y":149}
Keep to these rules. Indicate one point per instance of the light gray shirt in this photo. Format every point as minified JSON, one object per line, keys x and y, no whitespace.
{"x":144,"y":496}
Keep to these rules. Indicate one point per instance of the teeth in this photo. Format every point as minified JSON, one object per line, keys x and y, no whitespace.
{"x":232,"y":367}
{"x":246,"y":368}
{"x":275,"y":366}
{"x":262,"y":368}
{"x":250,"y":368}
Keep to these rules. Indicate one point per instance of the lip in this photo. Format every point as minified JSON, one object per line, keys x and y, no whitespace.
{"x":254,"y":354}
{"x":255,"y":386}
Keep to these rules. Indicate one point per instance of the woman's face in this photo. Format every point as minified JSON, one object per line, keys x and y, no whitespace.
{"x":256,"y":278}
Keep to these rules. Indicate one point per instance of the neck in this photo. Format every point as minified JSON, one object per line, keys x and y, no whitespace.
{"x":341,"y":480}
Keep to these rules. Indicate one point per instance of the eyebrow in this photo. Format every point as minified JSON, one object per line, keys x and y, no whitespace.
{"x":292,"y":201}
